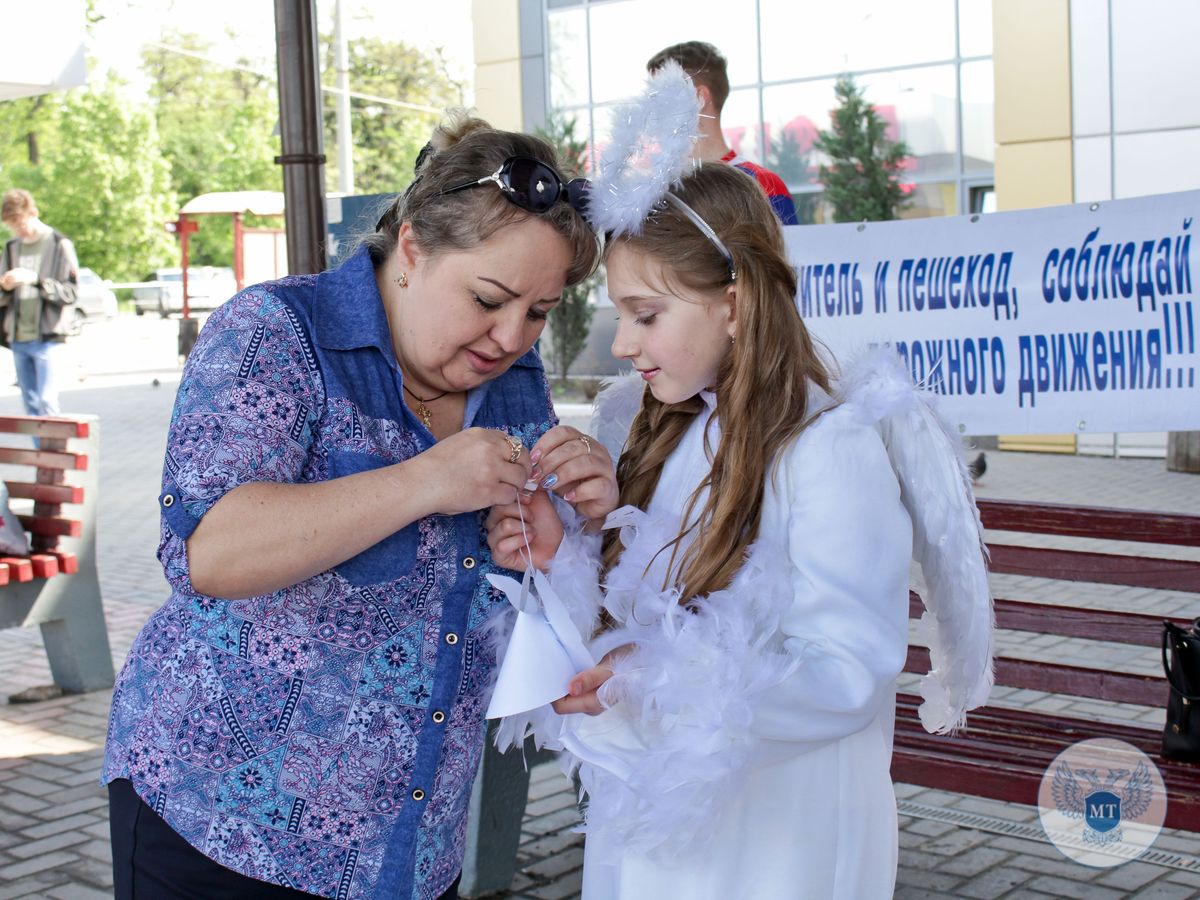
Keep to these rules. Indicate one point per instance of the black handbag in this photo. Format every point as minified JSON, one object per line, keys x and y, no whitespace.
{"x":1181,"y":663}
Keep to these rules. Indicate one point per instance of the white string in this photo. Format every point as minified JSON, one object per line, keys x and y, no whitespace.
{"x":527,"y":555}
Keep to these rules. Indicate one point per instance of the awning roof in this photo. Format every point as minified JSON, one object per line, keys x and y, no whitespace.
{"x":43,"y":48}
{"x":258,"y":203}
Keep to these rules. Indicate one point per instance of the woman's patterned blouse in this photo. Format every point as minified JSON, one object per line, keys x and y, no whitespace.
{"x":324,"y":736}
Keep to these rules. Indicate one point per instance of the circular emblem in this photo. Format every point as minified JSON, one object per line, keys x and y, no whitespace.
{"x":1102,"y":802}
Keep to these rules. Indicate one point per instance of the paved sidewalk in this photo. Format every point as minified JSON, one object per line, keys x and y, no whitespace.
{"x":53,"y":828}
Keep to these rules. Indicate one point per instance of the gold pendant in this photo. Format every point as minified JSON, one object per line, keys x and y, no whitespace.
{"x":425,"y":415}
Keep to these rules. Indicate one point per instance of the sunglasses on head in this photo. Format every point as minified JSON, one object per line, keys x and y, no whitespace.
{"x":533,"y":186}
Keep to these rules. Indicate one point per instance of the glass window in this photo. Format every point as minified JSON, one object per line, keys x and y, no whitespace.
{"x":1155,"y":77}
{"x":795,"y":114}
{"x":625,"y":35}
{"x":1091,"y":102}
{"x":811,"y":208}
{"x":975,"y":27}
{"x":1092,"y":167}
{"x":983,"y":199}
{"x":739,"y":122}
{"x":928,"y":200}
{"x":568,"y":58}
{"x":815,"y":37}
{"x":922,"y":105}
{"x":979,"y":120}
{"x":1156,"y":162}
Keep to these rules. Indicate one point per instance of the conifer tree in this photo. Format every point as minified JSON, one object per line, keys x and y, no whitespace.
{"x":862,"y":177}
{"x":571,"y":320}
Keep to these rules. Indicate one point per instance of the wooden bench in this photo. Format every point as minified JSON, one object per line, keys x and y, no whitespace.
{"x":56,"y":586}
{"x":1003,"y":752}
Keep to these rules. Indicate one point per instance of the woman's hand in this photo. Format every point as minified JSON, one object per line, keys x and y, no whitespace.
{"x":475,"y":469}
{"x":582,"y":694}
{"x":263,"y":536}
{"x":542,"y":526}
{"x":578,"y":469}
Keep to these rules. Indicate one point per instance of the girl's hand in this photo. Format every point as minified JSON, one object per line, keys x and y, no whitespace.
{"x":578,"y":469}
{"x":474,"y":469}
{"x":542,"y":525}
{"x":582,"y":690}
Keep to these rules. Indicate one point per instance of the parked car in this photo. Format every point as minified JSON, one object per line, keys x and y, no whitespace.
{"x":162,"y":291}
{"x":94,"y":298}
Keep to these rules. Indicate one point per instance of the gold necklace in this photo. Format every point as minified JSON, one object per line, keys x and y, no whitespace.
{"x":424,"y":413}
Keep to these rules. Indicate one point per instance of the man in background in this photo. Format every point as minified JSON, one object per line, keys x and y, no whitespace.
{"x":40,"y":272}
{"x":707,"y":68}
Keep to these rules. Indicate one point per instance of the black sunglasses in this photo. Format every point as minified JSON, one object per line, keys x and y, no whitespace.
{"x":533,"y":186}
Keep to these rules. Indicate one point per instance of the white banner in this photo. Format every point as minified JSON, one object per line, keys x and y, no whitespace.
{"x":1067,"y":319}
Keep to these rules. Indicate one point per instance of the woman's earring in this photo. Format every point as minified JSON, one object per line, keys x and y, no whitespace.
{"x":402,"y":279}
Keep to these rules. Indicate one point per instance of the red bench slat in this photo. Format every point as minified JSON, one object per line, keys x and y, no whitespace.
{"x":1091,"y":522}
{"x":1055,"y":678}
{"x":45,"y":493}
{"x":68,"y":563}
{"x":52,"y":526}
{"x":1103,"y":568}
{"x":20,"y":568}
{"x":1071,"y":621}
{"x":45,"y":459}
{"x":43,"y":427}
{"x":44,"y":565}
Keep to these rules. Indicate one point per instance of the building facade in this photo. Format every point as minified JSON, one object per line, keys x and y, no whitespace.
{"x":925,"y":64}
{"x":1005,"y":105}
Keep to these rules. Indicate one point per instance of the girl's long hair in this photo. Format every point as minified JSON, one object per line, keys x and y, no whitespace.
{"x":763,"y":383}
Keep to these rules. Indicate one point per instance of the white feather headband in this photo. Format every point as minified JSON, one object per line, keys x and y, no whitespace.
{"x":650,"y":149}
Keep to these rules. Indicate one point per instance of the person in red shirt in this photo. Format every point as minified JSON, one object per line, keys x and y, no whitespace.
{"x":707,"y":68}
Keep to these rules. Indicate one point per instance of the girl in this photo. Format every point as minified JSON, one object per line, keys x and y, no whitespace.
{"x":751,"y":610}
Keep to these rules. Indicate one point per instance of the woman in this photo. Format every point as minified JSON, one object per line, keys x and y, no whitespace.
{"x":305,"y":714}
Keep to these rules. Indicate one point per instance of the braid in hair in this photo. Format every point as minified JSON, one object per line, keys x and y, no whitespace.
{"x":656,"y":431}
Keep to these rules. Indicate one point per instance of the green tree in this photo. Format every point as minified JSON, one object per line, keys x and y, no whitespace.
{"x":217,"y":129}
{"x":571,"y":320}
{"x":862,"y":178}
{"x":105,"y":184}
{"x":386,"y":138}
{"x":787,"y":159}
{"x":27,"y":126}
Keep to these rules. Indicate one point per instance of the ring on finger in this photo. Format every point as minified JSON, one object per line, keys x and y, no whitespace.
{"x":516,"y":448}
{"x":587,"y":443}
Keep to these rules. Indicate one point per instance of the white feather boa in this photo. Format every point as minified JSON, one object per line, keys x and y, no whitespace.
{"x":691,"y":677}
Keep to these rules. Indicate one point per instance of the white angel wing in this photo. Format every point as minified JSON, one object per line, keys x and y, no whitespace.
{"x":947,"y":535}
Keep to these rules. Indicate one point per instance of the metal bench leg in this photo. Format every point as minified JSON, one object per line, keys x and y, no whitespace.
{"x":77,"y":643}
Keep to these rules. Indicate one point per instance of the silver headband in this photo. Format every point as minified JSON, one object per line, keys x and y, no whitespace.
{"x":706,"y":230}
